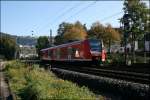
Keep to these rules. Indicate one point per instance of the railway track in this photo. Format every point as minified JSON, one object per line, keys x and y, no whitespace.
{"x":123,"y":75}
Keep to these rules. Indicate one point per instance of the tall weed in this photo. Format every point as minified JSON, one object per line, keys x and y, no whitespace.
{"x":34,"y":83}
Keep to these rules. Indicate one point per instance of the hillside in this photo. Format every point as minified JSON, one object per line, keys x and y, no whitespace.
{"x":21,"y":40}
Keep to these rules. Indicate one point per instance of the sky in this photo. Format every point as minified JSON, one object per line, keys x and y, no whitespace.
{"x":36,"y":18}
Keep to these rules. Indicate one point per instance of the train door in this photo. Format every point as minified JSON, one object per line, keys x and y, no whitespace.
{"x":86,"y":50}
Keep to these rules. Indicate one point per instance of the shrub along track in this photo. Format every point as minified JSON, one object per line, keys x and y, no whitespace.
{"x":135,"y":73}
{"x":132,"y":84}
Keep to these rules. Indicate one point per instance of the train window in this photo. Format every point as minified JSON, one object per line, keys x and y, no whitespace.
{"x":58,"y":53}
{"x":54,"y":53}
{"x":69,"y":52}
{"x":50,"y":53}
{"x":75,"y":52}
{"x":46,"y":53}
{"x":95,"y":45}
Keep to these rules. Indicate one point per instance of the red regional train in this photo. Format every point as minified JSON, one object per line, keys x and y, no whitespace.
{"x":89,"y":50}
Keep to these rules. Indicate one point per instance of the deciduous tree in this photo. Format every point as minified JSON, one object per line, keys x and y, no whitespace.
{"x":42,"y":42}
{"x":76,"y":32}
{"x":138,"y":19}
{"x":70,"y":32}
{"x":96,"y":31}
{"x":8,"y":47}
{"x":136,"y":22}
{"x":104,"y":33}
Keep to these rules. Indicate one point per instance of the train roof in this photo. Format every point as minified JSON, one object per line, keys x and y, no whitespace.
{"x":62,"y":45}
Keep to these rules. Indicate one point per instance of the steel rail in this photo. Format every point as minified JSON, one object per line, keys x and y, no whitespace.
{"x":123,"y":75}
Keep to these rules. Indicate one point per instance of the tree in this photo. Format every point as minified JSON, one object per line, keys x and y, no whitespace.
{"x":63,"y":27}
{"x":111,"y":35}
{"x":135,"y":21}
{"x":96,"y":31}
{"x":8,"y":47}
{"x":85,"y":28}
{"x":42,"y":42}
{"x":103,"y":33}
{"x":70,"y":32}
{"x":76,"y":32}
{"x":58,"y":39}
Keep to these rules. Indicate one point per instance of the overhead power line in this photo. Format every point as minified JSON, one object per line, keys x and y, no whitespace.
{"x":83,"y":9}
{"x":105,"y":18}
{"x":33,"y":26}
{"x":61,"y":15}
{"x":71,"y":10}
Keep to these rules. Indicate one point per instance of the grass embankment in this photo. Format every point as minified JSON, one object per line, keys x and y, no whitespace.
{"x":34,"y":83}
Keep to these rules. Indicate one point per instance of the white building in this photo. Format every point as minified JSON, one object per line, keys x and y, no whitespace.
{"x":27,"y":51}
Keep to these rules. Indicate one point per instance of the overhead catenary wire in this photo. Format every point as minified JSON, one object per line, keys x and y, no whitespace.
{"x":89,"y":5}
{"x":105,"y":18}
{"x":83,"y":9}
{"x":31,"y":30}
{"x":61,"y":15}
{"x":76,"y":12}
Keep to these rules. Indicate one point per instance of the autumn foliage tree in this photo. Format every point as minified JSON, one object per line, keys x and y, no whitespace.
{"x":76,"y":32}
{"x":63,"y":27}
{"x":96,"y":31}
{"x":105,"y":33}
{"x":70,"y":32}
{"x":112,"y":34}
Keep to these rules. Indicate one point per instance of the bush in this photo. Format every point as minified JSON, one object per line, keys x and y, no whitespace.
{"x":38,"y":84}
{"x":115,"y":59}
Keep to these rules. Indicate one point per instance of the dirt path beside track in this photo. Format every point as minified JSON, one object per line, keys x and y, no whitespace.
{"x":4,"y":87}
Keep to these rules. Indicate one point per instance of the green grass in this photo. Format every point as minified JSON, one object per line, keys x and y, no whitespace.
{"x":34,"y":83}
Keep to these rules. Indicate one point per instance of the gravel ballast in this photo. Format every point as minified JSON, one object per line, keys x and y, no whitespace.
{"x":124,"y":89}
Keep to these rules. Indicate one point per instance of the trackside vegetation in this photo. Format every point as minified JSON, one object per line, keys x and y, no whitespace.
{"x":34,"y":83}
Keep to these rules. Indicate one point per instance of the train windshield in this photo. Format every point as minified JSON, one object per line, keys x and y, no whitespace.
{"x":95,"y":45}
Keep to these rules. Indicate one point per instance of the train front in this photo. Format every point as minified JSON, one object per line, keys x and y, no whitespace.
{"x":97,"y":51}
